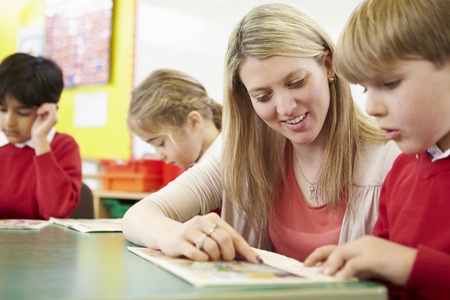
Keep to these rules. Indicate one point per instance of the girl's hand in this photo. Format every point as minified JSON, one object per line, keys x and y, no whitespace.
{"x":366,"y":257}
{"x":207,"y":237}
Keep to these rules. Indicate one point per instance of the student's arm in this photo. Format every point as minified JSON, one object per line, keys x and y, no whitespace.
{"x":58,"y":178}
{"x":146,"y":224}
{"x":368,"y":256}
{"x":423,"y":271}
{"x":174,"y":218}
{"x":430,"y":274}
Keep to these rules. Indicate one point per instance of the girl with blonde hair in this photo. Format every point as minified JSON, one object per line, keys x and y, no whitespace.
{"x":172,"y":111}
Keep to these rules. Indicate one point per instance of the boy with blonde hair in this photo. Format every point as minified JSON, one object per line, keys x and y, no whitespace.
{"x":399,"y":51}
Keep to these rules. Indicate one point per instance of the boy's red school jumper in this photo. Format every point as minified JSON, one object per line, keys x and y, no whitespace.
{"x":415,"y":211}
{"x":39,"y":187}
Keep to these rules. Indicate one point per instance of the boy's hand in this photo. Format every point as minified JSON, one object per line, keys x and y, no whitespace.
{"x":366,"y":257}
{"x":46,"y":118}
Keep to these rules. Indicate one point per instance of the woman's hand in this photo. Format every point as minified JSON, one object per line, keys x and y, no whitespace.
{"x":201,"y":238}
{"x":365,"y":258}
{"x":204,"y":238}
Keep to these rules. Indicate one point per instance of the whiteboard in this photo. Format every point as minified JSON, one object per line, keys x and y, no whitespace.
{"x":192,"y":36}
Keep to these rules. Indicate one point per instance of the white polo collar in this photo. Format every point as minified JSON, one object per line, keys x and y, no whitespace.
{"x":437,"y":153}
{"x":4,"y":140}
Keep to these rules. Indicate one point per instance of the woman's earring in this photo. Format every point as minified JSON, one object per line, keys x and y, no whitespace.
{"x":331,"y":79}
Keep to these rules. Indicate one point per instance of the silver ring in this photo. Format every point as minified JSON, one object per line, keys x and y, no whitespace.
{"x":213,"y":228}
{"x":200,"y":241}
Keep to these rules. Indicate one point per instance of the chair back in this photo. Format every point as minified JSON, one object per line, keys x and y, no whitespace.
{"x":85,"y":208}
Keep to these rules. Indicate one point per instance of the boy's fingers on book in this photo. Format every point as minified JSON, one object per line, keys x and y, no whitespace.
{"x":319,"y":255}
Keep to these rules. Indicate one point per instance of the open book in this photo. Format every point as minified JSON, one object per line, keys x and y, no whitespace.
{"x":23,"y":224}
{"x":276,"y":270}
{"x":90,"y":225}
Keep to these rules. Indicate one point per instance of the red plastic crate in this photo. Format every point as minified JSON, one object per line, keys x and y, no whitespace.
{"x":153,"y":166}
{"x":131,"y":182}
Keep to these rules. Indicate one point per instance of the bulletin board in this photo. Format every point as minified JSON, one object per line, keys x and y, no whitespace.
{"x":78,"y":38}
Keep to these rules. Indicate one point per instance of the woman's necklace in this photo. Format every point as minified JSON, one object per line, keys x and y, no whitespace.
{"x":312,"y":185}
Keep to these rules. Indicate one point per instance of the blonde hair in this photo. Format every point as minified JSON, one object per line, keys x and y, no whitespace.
{"x":254,"y":163}
{"x":378,"y":33}
{"x":161,"y":103}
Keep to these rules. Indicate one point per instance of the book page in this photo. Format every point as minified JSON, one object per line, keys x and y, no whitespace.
{"x":12,"y":224}
{"x":291,"y":265}
{"x":91,"y":225}
{"x":220,"y":273}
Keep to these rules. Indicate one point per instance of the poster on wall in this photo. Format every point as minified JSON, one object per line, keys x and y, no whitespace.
{"x":78,"y":37}
{"x":31,"y":39}
{"x":90,"y":109}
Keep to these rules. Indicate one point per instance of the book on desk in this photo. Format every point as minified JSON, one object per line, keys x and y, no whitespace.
{"x":90,"y":225}
{"x":277,"y":270}
{"x":81,"y":225}
{"x":23,"y":224}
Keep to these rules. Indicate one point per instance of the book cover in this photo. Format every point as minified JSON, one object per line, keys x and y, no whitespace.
{"x":29,"y":224}
{"x":276,"y":270}
{"x":90,"y":225}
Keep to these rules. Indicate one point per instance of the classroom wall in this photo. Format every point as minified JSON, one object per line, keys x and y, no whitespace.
{"x":192,"y":36}
{"x":187,"y":35}
{"x":112,"y":140}
{"x":9,"y":24}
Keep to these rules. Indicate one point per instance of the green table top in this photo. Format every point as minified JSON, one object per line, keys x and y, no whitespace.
{"x":61,"y":263}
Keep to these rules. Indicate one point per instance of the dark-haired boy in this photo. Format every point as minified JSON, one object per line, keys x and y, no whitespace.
{"x":40,"y":169}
